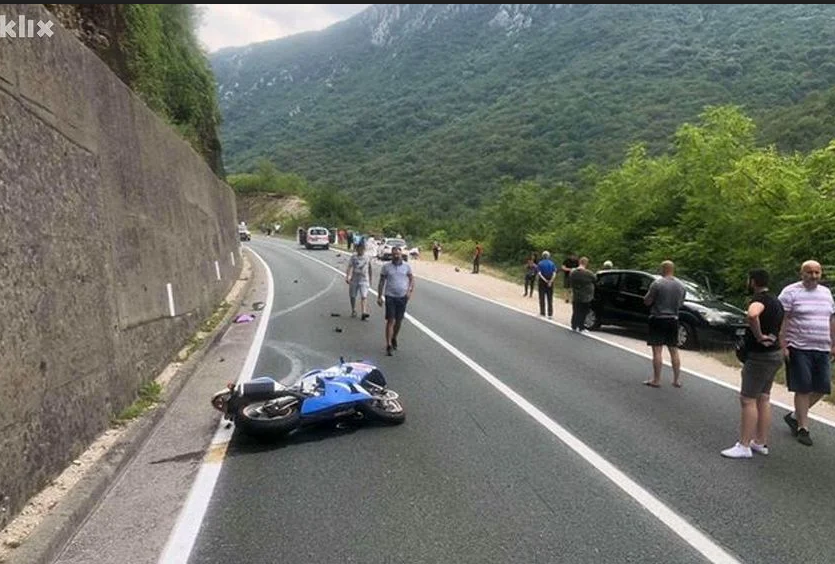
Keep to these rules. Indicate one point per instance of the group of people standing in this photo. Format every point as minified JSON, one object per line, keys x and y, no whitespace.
{"x":795,"y":329}
{"x":578,"y":282}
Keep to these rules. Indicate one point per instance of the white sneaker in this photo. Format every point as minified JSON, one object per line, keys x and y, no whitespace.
{"x":756,"y":447}
{"x":738,"y":451}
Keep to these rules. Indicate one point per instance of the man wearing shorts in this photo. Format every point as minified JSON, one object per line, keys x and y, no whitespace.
{"x":765,"y":316}
{"x":665,"y":296}
{"x":397,"y":284}
{"x":358,"y":278}
{"x":807,"y":338}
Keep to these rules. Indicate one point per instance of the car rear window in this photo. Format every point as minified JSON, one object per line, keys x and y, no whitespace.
{"x":318,"y":232}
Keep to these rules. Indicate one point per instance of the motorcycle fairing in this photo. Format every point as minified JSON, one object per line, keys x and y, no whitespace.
{"x":338,"y":391}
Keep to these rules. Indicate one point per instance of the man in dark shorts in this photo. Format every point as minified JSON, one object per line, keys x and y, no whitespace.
{"x":765,"y":316}
{"x":807,"y":339}
{"x":397,"y":284}
{"x":665,"y":296}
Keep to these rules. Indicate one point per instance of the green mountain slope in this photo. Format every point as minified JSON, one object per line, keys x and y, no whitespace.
{"x":429,"y":106}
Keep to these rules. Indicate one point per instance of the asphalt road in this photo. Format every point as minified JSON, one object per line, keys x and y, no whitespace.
{"x":524,"y":442}
{"x":473,"y":477}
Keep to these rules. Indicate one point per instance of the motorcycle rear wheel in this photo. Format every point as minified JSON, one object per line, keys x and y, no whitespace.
{"x":266,"y":418}
{"x":385,"y":407}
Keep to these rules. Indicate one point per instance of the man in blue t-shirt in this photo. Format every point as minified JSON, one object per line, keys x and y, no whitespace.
{"x":547,"y":271}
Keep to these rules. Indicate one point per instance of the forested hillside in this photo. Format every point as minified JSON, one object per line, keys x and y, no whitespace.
{"x":433,"y":107}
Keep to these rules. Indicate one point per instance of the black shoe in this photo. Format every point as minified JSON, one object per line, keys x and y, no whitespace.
{"x":388,"y":351}
{"x":394,"y":343}
{"x":365,"y":316}
{"x":792,"y":423}
{"x":803,"y":437}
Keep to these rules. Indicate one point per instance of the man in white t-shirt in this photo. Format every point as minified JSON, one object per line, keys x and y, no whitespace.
{"x":807,"y":338}
{"x":397,"y":284}
{"x":358,"y":278}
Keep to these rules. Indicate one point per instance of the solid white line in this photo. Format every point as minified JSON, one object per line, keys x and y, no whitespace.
{"x":690,"y":534}
{"x":217,"y":270}
{"x":170,"y":299}
{"x":180,"y":543}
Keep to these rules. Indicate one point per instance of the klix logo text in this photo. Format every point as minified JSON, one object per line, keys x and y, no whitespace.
{"x":24,"y":28}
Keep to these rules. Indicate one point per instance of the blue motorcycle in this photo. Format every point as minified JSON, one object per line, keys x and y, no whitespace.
{"x":264,"y":407}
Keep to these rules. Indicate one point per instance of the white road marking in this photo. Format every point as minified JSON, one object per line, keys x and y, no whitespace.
{"x":687,"y":532}
{"x":170,"y":299}
{"x":312,"y":298}
{"x":180,"y":543}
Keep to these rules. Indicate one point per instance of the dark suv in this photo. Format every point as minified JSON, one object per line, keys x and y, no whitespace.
{"x":703,"y":319}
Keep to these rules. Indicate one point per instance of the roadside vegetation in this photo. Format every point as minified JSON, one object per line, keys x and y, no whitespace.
{"x":717,"y":204}
{"x":149,"y":397}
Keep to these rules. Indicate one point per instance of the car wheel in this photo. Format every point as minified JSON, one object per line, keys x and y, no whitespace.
{"x":686,"y":336}
{"x":592,"y":320}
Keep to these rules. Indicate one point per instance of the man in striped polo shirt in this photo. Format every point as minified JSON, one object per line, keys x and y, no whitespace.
{"x":807,"y":338}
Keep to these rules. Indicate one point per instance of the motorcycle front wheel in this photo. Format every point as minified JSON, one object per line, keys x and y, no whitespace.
{"x":385,"y":407}
{"x":268,"y":418}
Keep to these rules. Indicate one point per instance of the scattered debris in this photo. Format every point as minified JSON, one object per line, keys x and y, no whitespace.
{"x":244,"y":318}
{"x":222,"y":359}
{"x":295,"y":281}
{"x":336,"y":314}
{"x":257,"y":306}
{"x":338,"y":329}
{"x":457,"y":269}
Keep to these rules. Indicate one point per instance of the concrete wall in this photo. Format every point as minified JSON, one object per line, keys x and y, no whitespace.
{"x":101,"y":206}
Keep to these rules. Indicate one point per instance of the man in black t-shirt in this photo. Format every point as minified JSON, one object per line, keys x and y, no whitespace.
{"x":765,"y":315}
{"x":570,"y":263}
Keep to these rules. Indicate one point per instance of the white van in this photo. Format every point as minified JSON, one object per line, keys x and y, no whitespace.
{"x":317,"y":237}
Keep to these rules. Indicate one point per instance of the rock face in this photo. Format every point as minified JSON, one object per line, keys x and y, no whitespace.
{"x":103,"y":208}
{"x":107,"y":30}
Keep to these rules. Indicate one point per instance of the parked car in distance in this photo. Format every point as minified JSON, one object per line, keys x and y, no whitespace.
{"x":384,"y":251}
{"x":317,"y":237}
{"x":704,"y":319}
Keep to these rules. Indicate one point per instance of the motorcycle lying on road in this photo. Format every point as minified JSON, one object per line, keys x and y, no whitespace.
{"x":263,"y":407}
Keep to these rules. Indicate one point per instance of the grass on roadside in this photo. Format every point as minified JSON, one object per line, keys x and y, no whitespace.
{"x":205,"y":329}
{"x":149,"y":395}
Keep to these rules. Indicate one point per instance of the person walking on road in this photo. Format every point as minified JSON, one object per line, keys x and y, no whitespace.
{"x":807,"y":339}
{"x":764,"y":357}
{"x":397,"y":283}
{"x":665,"y":296}
{"x":547,"y":271}
{"x":358,"y":277}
